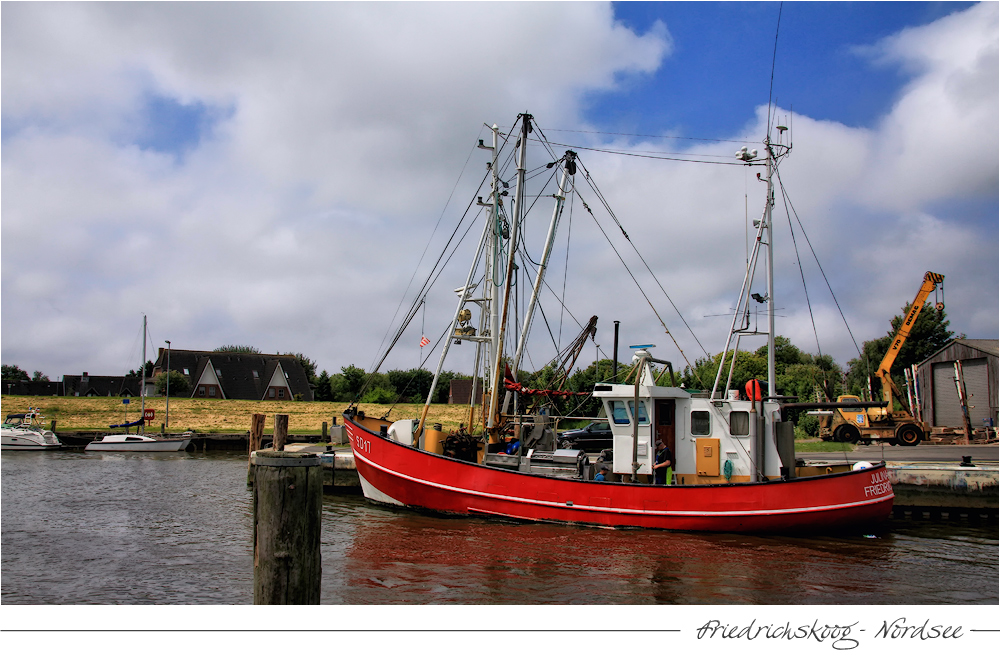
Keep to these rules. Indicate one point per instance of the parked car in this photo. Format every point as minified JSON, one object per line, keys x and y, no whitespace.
{"x":592,"y":438}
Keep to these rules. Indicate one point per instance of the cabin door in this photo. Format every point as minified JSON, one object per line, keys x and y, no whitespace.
{"x":665,"y":423}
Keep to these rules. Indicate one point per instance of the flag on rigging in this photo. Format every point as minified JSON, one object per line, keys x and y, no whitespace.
{"x":424,"y":341}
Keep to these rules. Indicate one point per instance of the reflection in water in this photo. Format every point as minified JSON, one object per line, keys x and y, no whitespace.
{"x":397,"y":556}
{"x":175,"y":528}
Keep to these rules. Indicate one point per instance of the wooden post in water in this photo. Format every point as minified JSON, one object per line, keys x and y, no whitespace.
{"x":287,"y":509}
{"x":280,"y":431}
{"x":256,"y":434}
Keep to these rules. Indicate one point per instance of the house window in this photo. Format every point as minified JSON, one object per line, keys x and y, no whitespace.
{"x":201,"y":391}
{"x":701,"y":423}
{"x":218,"y":372}
{"x":270,"y":393}
{"x":739,"y":424}
{"x":281,"y":393}
{"x":211,"y":392}
{"x":255,"y":375}
{"x":186,"y":372}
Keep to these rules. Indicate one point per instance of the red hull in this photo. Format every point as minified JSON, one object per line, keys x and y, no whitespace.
{"x":398,"y":474}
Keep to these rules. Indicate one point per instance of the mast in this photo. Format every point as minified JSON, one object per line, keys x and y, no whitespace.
{"x":142,"y":378}
{"x":464,"y":294}
{"x":771,"y":376}
{"x":549,"y":239}
{"x":511,"y":250}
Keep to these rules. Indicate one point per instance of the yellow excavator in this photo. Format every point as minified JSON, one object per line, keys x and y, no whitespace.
{"x":882,"y":423}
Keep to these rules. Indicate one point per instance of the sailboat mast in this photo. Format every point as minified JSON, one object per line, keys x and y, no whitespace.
{"x":142,"y":377}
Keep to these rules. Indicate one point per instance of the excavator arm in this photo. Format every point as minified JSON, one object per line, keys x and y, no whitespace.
{"x":931,"y":280}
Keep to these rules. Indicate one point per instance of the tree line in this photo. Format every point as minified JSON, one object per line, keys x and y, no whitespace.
{"x":798,"y":373}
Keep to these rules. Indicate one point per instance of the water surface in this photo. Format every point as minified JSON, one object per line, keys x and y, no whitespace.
{"x":175,"y":528}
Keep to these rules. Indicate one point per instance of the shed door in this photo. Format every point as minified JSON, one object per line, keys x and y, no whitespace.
{"x":947,"y":411}
{"x":977,"y":387}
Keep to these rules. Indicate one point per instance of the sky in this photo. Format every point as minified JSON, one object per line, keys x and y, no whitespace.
{"x":270,"y":174}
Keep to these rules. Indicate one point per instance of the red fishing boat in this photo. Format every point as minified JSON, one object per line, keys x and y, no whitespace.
{"x":729,"y":460}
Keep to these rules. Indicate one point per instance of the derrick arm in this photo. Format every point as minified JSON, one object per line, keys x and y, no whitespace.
{"x":931,"y":280}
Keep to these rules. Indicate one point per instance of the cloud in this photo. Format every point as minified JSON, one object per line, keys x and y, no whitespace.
{"x":270,"y":173}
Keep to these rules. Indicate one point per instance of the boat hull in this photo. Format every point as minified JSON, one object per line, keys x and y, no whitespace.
{"x":397,"y":474}
{"x":154,"y":446}
{"x":28,"y":441}
{"x":20,"y":443}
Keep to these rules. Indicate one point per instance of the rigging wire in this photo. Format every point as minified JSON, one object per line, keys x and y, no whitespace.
{"x":429,"y":241}
{"x":774,"y":57}
{"x":795,"y":246}
{"x":428,"y":283}
{"x":641,"y":155}
{"x":816,"y":257}
{"x":607,"y":207}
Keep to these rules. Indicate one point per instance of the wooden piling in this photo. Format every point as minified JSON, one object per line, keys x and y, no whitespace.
{"x":324,"y":431}
{"x":256,"y":435}
{"x":280,"y":431}
{"x":287,"y":510}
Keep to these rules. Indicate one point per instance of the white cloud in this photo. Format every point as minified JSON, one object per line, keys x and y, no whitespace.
{"x":295,"y":224}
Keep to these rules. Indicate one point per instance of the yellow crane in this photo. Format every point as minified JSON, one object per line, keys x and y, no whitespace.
{"x":882,"y":423}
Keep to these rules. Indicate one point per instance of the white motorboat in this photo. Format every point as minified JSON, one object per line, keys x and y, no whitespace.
{"x":137,"y":443}
{"x":25,"y":432}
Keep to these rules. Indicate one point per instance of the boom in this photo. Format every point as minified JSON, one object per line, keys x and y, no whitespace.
{"x":931,"y":280}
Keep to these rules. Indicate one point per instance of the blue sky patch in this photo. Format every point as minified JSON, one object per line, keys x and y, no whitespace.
{"x":720,"y":67}
{"x":172,"y":127}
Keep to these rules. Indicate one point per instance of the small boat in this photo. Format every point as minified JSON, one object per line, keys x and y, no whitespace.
{"x":138,"y":442}
{"x":733,"y":466}
{"x":24,"y":431}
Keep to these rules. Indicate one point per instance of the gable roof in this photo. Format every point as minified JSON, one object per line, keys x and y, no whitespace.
{"x":235,"y":372}
{"x":100,"y":385}
{"x":985,"y":346}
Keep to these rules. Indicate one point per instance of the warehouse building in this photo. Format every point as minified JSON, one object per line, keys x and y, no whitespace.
{"x":939,"y":400}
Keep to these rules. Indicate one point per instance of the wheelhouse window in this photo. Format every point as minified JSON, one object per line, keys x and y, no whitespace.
{"x":701,"y":423}
{"x":643,"y":414}
{"x":739,"y":424}
{"x":618,"y":412}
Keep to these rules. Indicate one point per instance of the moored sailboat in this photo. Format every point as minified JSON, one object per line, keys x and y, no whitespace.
{"x":733,"y":462}
{"x":138,"y":442}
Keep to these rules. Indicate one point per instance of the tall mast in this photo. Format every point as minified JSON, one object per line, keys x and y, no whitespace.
{"x":511,"y":250}
{"x":569,"y":165}
{"x":771,"y":378}
{"x":142,"y":377}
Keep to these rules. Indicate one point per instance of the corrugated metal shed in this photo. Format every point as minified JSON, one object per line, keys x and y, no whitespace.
{"x":936,"y":382}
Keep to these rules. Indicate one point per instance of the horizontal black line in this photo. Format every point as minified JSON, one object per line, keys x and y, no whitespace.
{"x":321,"y":630}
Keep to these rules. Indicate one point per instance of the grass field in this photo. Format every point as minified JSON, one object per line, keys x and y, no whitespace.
{"x":230,"y":416}
{"x":212,"y":416}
